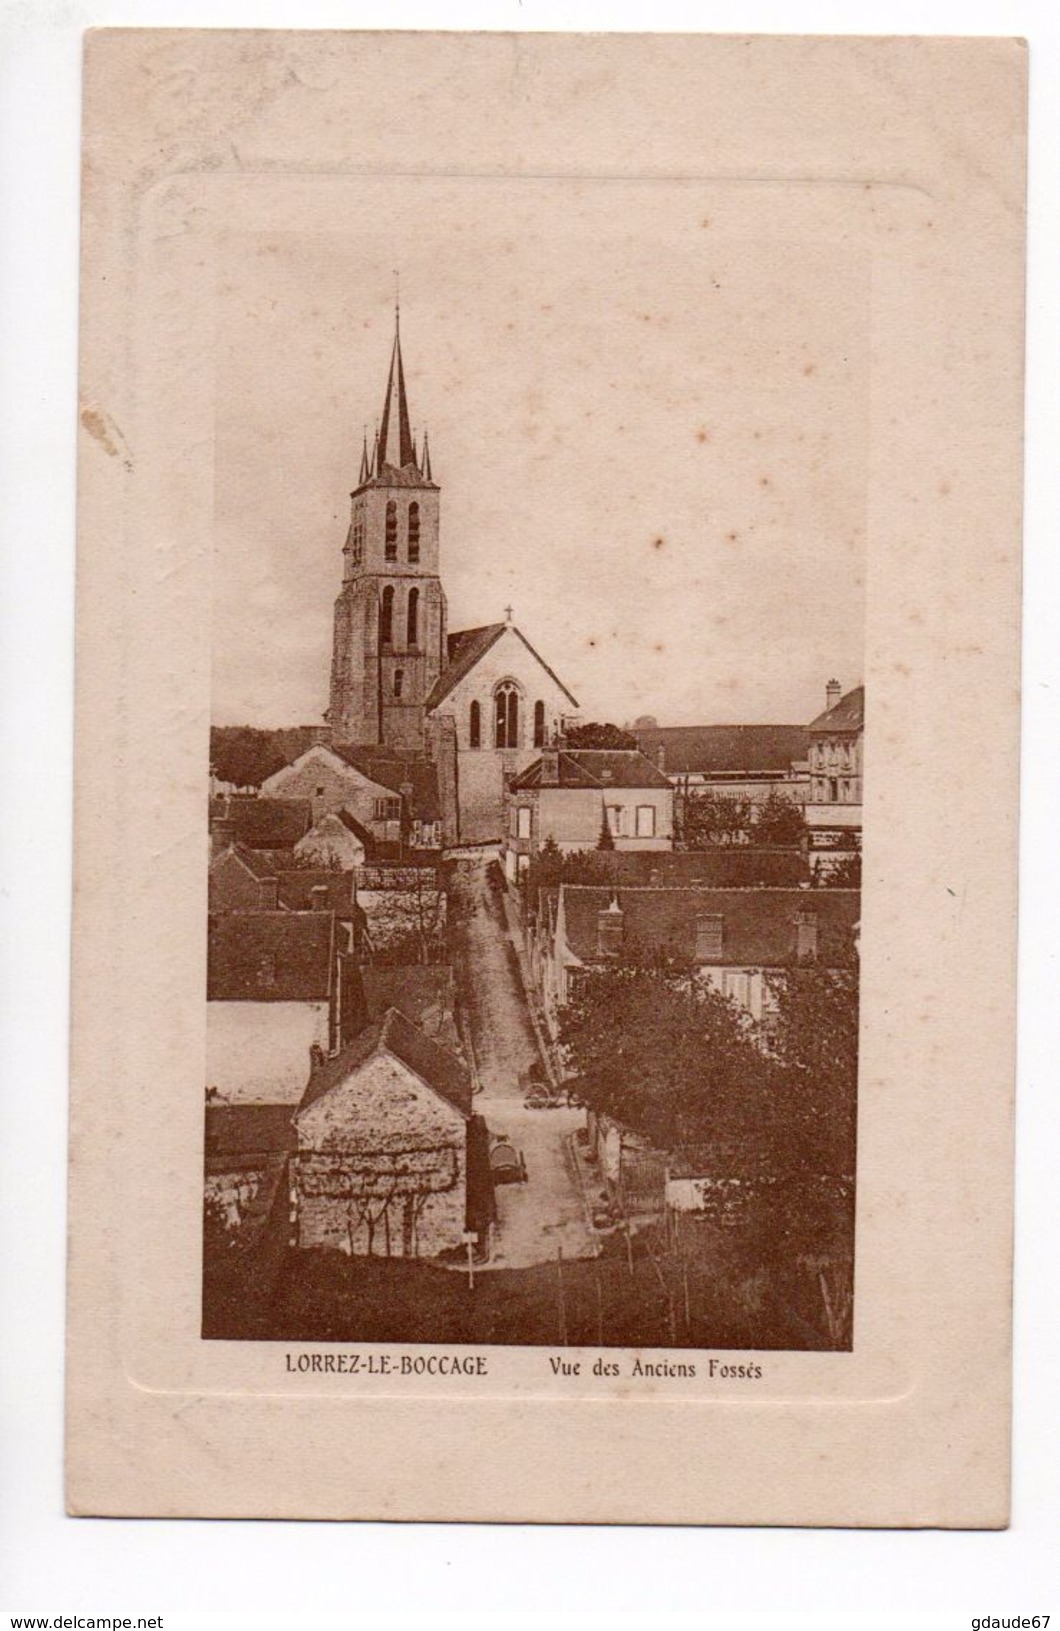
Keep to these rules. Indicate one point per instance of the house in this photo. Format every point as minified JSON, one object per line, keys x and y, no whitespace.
{"x":270,"y":984}
{"x":719,"y":866}
{"x":244,"y":880}
{"x":733,"y":938}
{"x":833,"y":812}
{"x":393,"y":797}
{"x":571,"y":794}
{"x":337,"y":839}
{"x":390,"y":1156}
{"x":257,"y":823}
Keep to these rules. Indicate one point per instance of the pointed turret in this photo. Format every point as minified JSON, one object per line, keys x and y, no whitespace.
{"x":425,"y":467}
{"x":366,"y":469}
{"x":395,"y":436}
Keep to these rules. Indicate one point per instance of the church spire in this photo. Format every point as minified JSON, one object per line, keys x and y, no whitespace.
{"x":395,"y":436}
{"x":366,"y":469}
{"x":425,"y":467}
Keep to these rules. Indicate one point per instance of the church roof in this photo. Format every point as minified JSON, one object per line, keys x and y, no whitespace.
{"x":468,"y":646}
{"x":396,"y":1035}
{"x":394,"y":461}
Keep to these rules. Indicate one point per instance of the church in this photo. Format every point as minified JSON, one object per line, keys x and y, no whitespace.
{"x":479,"y":704}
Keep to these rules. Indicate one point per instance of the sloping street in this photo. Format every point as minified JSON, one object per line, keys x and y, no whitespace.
{"x":545,"y":1216}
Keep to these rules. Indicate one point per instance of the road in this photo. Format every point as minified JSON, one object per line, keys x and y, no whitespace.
{"x":546,"y":1215}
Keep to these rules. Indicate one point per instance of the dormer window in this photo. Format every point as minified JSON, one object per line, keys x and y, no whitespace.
{"x":391,"y":530}
{"x":805,"y":936}
{"x":414,"y":532}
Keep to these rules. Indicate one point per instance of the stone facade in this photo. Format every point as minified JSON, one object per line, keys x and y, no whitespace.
{"x":381,"y":1167}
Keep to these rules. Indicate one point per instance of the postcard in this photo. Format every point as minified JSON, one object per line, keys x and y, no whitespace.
{"x":549,"y":538}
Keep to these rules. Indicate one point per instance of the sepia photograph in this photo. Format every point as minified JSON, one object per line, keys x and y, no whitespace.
{"x":535,"y":816}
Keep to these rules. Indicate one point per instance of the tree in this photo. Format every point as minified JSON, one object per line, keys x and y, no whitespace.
{"x":842,"y":874}
{"x":778,"y":821}
{"x":606,"y":838}
{"x":664,"y":1055}
{"x":713,"y":818}
{"x":593,"y":735}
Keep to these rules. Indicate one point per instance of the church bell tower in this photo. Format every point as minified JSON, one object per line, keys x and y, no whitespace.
{"x":390,"y":616}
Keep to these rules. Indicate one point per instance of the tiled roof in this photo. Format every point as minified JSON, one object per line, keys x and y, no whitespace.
{"x":725,"y":749}
{"x":418,"y":993}
{"x":396,"y":1035}
{"x":269,"y":956}
{"x":847,"y":715}
{"x":759,"y":929}
{"x":391,"y":476}
{"x":249,"y":1129}
{"x":722,"y":866}
{"x":595,"y":767}
{"x":296,"y":891}
{"x":467,"y":646}
{"x":263,"y":823}
{"x":393,"y":771}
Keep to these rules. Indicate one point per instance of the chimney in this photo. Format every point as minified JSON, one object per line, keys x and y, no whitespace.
{"x":805,"y":936}
{"x":550,"y":767}
{"x":610,"y":930}
{"x":269,"y":894}
{"x":317,"y":1058}
{"x":833,"y":691}
{"x":318,"y":897}
{"x":660,"y":757}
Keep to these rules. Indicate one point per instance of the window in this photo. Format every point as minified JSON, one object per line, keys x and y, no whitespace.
{"x":524,"y":821}
{"x":474,"y":726}
{"x":399,"y":681}
{"x":391,"y":531}
{"x":320,"y":790}
{"x":412,"y":619}
{"x":616,"y":820}
{"x":735,"y":983}
{"x":645,"y":821}
{"x":386,"y":616}
{"x":710,"y":937}
{"x":357,"y":537}
{"x":414,"y":532}
{"x":506,"y":700}
{"x":388,"y":809}
{"x":805,"y":936}
{"x":539,"y":724}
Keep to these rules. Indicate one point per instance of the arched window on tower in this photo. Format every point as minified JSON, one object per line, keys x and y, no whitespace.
{"x":539,"y":724}
{"x":414,"y":532}
{"x":386,"y":616}
{"x":474,"y":726}
{"x":399,"y":681}
{"x":412,"y":620}
{"x":391,"y":531}
{"x":506,"y":703}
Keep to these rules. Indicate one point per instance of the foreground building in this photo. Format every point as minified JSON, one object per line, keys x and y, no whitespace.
{"x":390,"y":1160}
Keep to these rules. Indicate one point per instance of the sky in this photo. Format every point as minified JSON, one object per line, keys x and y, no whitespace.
{"x":648,"y":418}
